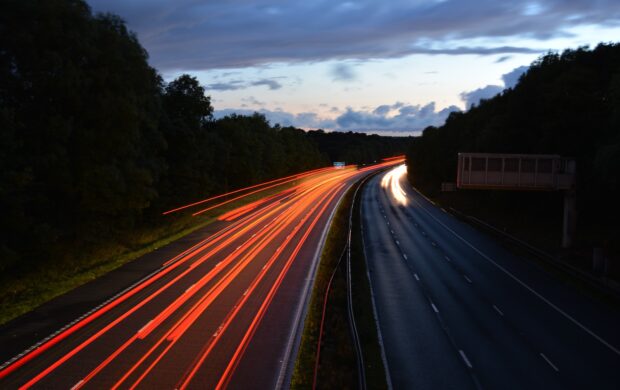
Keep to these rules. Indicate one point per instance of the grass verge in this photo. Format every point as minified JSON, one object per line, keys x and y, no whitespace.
{"x":25,"y":292}
{"x":337,"y":366}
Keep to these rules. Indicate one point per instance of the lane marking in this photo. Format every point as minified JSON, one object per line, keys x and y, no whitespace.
{"x":468,"y":279}
{"x":434,"y":307}
{"x":433,"y":243}
{"x":397,"y":242}
{"x":465,"y":358}
{"x":416,"y":277}
{"x":549,"y":362}
{"x":405,"y":256}
{"x":498,"y":310}
{"x":447,"y":258}
{"x":524,"y":285}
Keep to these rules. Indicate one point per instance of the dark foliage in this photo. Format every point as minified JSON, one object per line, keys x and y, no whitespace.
{"x":358,"y":148}
{"x":566,"y":104}
{"x":94,"y":144}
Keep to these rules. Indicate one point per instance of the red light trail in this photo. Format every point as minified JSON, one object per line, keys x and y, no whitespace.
{"x":197,"y":316}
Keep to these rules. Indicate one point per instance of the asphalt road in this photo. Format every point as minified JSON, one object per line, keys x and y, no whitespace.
{"x":225,"y":312}
{"x":457,"y":311}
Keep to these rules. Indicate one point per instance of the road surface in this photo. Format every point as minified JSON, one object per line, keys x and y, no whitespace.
{"x":223,"y":313}
{"x":456,"y":311}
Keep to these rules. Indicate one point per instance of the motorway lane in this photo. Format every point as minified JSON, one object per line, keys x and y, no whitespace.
{"x":196,"y":322}
{"x":457,"y":310}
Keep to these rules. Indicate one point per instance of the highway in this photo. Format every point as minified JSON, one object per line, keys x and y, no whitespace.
{"x":457,"y":311}
{"x":224,"y":313}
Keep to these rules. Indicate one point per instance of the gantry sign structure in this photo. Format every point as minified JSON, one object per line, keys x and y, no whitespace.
{"x":522,"y":172}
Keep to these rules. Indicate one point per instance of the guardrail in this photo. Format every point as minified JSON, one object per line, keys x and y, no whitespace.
{"x":599,"y":283}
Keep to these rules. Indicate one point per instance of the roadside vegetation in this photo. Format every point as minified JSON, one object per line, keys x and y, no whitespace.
{"x":95,"y":145}
{"x":566,"y":103}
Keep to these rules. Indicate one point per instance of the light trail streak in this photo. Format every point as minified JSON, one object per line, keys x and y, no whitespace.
{"x":239,"y":233}
{"x":283,"y":179}
{"x":270,"y":217}
{"x":234,"y":362}
{"x":145,"y":331}
{"x":236,"y":213}
{"x":391,"y":180}
{"x":190,"y":373}
{"x":196,"y":310}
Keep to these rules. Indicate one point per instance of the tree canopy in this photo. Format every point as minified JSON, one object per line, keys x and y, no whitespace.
{"x":566,"y":104}
{"x":95,"y":144}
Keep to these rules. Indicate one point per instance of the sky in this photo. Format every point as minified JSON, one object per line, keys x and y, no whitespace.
{"x":389,"y":67}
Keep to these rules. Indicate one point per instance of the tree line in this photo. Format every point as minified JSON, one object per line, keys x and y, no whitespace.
{"x":95,"y":144}
{"x":566,"y":103}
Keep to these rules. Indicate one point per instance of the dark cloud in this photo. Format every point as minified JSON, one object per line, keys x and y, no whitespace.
{"x":502,"y":59}
{"x":227,"y":86}
{"x":271,"y":84}
{"x":473,"y":97}
{"x":233,"y":85}
{"x":343,"y":72}
{"x":510,"y":80}
{"x":252,"y":100}
{"x":387,"y":118}
{"x":408,"y":118}
{"x":196,"y":35}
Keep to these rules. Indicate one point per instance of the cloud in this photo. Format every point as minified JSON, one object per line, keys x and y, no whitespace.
{"x":408,"y":118}
{"x":397,"y":118}
{"x":272,"y":84}
{"x":510,"y":79}
{"x":234,"y":85}
{"x":197,"y":35}
{"x":252,"y":100}
{"x":473,"y":97}
{"x":343,"y":72}
{"x":227,"y":86}
{"x":502,"y":59}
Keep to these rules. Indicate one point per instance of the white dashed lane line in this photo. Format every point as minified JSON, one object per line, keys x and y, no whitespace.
{"x":498,"y":310}
{"x":549,"y":362}
{"x":468,"y":279}
{"x":464,"y":357}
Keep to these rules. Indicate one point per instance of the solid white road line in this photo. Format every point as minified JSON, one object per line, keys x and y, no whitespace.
{"x":524,"y":285}
{"x":550,"y":363}
{"x":465,"y":358}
